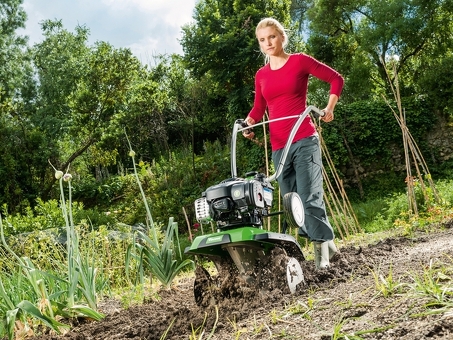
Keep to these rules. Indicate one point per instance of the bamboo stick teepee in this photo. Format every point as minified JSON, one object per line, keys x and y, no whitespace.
{"x":412,"y":155}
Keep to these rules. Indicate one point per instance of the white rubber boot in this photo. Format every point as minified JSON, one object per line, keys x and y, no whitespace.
{"x":322,"y":254}
{"x":332,"y":248}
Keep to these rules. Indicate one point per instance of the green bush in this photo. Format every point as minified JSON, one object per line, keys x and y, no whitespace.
{"x":367,"y":212}
{"x":445,"y":189}
{"x":98,"y":194}
{"x":110,"y":248}
{"x":45,"y":248}
{"x":170,"y":184}
{"x":45,"y":215}
{"x":96,"y":218}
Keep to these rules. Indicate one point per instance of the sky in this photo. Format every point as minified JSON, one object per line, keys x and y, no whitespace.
{"x":147,"y":27}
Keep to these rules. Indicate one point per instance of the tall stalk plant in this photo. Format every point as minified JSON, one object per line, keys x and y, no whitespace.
{"x":81,"y":272}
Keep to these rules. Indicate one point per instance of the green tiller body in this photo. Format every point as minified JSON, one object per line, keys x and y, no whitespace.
{"x":241,"y":249}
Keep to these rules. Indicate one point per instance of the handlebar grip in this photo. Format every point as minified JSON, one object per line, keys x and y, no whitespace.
{"x":317,"y":112}
{"x":244,"y":125}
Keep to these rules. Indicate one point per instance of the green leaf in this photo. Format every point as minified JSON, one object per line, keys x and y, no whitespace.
{"x":11,"y":316}
{"x":87,"y":312}
{"x":5,"y":296}
{"x":29,"y":308}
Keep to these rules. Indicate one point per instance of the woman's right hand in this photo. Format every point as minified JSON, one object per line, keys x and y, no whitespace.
{"x":249,"y":134}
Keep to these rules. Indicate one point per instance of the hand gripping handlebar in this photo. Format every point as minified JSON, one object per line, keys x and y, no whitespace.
{"x":240,"y":126}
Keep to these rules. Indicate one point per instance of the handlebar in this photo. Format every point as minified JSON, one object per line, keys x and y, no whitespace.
{"x":240,"y":125}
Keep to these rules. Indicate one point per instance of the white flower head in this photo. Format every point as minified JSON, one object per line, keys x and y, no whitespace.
{"x":58,"y":174}
{"x":67,"y":177}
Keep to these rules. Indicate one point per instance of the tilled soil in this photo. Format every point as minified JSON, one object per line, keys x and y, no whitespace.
{"x":367,"y":294}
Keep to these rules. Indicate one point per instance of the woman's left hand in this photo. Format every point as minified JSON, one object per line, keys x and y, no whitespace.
{"x":328,"y":115}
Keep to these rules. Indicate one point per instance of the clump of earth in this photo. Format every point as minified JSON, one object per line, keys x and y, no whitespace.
{"x":345,"y":302}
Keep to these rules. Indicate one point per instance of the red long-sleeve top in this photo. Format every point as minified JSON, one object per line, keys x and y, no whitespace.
{"x":284,"y":93}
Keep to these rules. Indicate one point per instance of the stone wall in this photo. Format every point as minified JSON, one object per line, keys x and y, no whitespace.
{"x":440,"y":149}
{"x":440,"y":141}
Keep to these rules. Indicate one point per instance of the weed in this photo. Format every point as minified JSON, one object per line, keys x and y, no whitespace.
{"x":386,"y":286}
{"x":435,"y":284}
{"x":339,"y":335}
{"x":215,"y":323}
{"x":346,"y":304}
{"x":257,"y":329}
{"x":274,"y":317}
{"x":302,"y":308}
{"x":167,"y":330}
{"x":236,"y":330}
{"x":197,"y":333}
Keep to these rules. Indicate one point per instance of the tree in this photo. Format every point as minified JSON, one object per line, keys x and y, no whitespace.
{"x":221,"y":45}
{"x":189,"y":114}
{"x":363,"y":36}
{"x":13,"y":58}
{"x":299,"y":9}
{"x":17,"y":89}
{"x":437,"y":84}
{"x":83,"y":94}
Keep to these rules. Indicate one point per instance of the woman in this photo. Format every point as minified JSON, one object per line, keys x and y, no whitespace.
{"x":281,"y":86}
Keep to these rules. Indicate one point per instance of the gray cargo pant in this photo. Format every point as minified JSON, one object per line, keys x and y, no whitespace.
{"x":302,"y":173}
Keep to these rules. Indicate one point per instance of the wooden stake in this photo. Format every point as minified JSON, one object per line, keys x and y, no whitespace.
{"x":188,"y":224}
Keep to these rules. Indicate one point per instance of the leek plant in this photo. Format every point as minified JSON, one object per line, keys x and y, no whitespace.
{"x":80,"y":275}
{"x":159,"y":259}
{"x":45,"y":297}
{"x":149,"y":253}
{"x":81,"y":272}
{"x":14,"y":311}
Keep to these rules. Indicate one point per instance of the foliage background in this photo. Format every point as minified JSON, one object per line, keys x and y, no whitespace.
{"x":69,"y":102}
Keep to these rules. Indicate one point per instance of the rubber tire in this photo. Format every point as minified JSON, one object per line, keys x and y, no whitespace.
{"x":292,"y":203}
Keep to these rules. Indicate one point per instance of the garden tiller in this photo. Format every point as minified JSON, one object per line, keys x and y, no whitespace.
{"x":242,"y":250}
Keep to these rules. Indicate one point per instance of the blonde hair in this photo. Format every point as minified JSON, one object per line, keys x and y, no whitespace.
{"x":271,"y":22}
